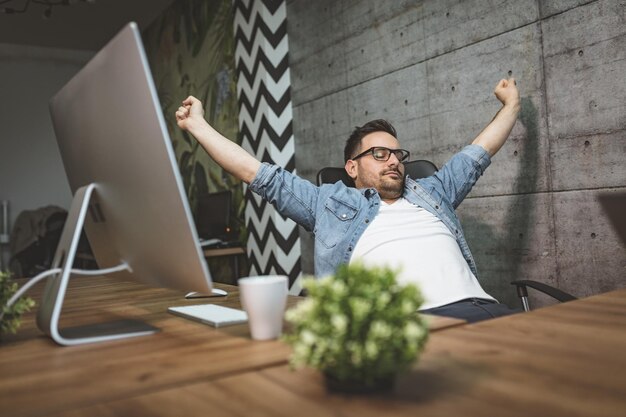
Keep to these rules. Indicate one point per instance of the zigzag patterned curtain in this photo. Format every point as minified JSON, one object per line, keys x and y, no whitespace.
{"x":265,"y":123}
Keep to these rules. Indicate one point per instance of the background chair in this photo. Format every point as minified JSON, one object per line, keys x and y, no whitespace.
{"x":422,"y":169}
{"x":330,"y":175}
{"x":414,"y":169}
{"x":555,"y":293}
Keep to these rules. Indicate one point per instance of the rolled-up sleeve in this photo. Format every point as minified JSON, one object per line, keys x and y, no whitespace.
{"x":479,"y":155}
{"x":263,"y":176}
{"x":292,"y":196}
{"x":457,"y":177}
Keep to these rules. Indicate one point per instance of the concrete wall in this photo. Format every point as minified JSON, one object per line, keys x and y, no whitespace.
{"x":31,"y":170}
{"x":430,"y":67}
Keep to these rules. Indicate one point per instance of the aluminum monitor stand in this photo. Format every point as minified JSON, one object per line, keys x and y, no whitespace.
{"x":54,"y":293}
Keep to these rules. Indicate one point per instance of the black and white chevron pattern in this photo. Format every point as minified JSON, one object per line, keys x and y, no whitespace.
{"x":265,"y":123}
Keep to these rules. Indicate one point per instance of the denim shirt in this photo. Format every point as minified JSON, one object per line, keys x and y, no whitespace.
{"x":337,"y":215}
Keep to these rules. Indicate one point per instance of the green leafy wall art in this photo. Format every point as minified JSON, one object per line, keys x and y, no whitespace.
{"x":191,"y":50}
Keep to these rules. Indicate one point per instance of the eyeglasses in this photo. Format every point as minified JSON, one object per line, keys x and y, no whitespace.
{"x":380,"y":153}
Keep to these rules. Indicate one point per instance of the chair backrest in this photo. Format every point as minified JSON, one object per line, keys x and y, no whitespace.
{"x":414,"y":169}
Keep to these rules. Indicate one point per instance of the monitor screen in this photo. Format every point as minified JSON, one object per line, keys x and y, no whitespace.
{"x":614,"y":204}
{"x":213,"y":219}
{"x":112,"y":135}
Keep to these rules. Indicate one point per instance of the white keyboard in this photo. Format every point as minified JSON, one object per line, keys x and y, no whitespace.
{"x":211,"y":314}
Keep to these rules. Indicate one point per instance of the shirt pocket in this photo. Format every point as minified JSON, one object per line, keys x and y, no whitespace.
{"x":438,"y":199}
{"x":435,"y":196}
{"x":334,"y":222}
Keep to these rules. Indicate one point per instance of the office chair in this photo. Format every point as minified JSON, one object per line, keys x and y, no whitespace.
{"x":330,"y":175}
{"x":555,"y":293}
{"x":422,"y":169}
{"x":414,"y":169}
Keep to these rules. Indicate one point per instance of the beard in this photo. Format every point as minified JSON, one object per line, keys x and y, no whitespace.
{"x":390,"y":188}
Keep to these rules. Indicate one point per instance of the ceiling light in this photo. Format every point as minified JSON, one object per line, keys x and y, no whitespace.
{"x":18,"y":7}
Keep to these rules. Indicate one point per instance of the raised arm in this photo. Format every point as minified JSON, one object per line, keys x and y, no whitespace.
{"x":495,"y":134}
{"x":230,"y":156}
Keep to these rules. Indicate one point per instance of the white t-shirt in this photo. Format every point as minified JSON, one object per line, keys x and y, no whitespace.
{"x":406,"y":236}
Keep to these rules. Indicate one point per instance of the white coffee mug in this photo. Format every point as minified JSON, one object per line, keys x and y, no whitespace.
{"x":264,"y":298}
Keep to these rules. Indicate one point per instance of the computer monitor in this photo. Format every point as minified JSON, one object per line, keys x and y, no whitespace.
{"x":128,"y":192}
{"x":614,"y":204}
{"x":213,"y":218}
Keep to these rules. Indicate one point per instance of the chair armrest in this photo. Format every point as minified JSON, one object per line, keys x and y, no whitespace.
{"x":544,"y":288}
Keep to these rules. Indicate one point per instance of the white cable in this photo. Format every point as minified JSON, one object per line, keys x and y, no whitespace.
{"x":121,"y":267}
{"x":25,"y":287}
{"x":45,"y":274}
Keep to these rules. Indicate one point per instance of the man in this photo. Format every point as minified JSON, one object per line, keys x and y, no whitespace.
{"x":387,"y":219}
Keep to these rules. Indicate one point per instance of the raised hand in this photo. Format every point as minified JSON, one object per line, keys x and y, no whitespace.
{"x":506,"y":91}
{"x":189,"y":113}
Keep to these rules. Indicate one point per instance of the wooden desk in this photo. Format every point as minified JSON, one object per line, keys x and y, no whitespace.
{"x":38,"y":377}
{"x":564,"y":360}
{"x":238,"y":250}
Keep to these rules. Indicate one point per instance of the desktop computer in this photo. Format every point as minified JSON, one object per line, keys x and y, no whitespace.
{"x":128,"y":193}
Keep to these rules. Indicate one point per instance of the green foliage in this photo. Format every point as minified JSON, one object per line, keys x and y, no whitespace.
{"x":358,"y":325}
{"x":191,"y":49}
{"x":10,"y":321}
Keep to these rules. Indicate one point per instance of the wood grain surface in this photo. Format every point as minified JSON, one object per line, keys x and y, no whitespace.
{"x":564,"y":360}
{"x":38,"y":377}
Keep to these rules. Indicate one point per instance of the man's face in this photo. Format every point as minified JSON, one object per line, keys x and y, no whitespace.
{"x":387,"y":177}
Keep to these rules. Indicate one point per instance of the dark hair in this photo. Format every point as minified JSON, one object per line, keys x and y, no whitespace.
{"x":353,"y":142}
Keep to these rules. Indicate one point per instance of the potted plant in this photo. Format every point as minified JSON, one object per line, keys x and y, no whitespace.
{"x":360,"y":328}
{"x":10,"y":316}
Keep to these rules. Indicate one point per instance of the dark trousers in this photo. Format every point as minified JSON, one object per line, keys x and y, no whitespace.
{"x":472,"y":310}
